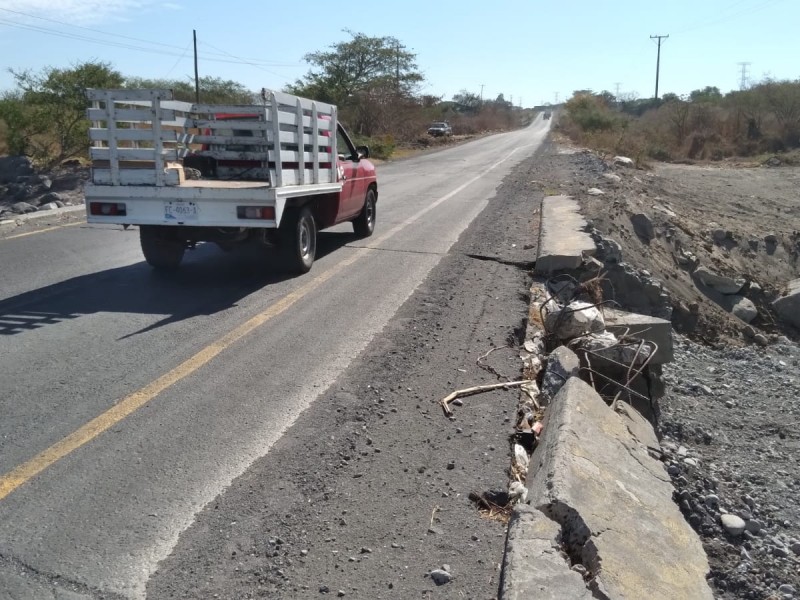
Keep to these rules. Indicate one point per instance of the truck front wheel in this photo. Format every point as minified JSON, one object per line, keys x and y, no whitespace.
{"x":364,"y":223}
{"x":161,"y":250}
{"x":298,"y":241}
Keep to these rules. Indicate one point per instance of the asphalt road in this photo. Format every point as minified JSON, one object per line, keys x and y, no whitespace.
{"x":131,"y":401}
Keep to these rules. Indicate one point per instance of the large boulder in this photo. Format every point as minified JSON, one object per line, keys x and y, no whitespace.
{"x":13,"y":167}
{"x":574,"y":320}
{"x":643,"y":226}
{"x":22,"y":208}
{"x":720,"y":283}
{"x":742,"y":308}
{"x":788,"y":306}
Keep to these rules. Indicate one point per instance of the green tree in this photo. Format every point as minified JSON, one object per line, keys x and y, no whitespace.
{"x":467,"y":102}
{"x":45,"y":117}
{"x":709,"y":93}
{"x":213,"y":90}
{"x":360,"y":65}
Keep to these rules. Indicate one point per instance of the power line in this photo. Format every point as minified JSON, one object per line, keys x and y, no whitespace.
{"x":244,"y":61}
{"x":728,"y":17}
{"x":658,"y":57}
{"x":168,"y":49}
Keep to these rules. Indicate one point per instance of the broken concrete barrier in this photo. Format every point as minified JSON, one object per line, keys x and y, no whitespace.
{"x":650,"y":329}
{"x":562,"y":237}
{"x":613,"y":504}
{"x":534,"y":565}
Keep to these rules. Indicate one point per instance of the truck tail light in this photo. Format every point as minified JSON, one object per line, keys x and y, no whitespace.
{"x":266,"y":213}
{"x":108,"y":209}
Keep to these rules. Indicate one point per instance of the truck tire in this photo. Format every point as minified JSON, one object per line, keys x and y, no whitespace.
{"x":160,"y":249}
{"x":298,"y":246}
{"x":364,"y":223}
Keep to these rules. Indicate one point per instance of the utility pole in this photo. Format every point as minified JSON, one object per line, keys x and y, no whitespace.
{"x":196,"y":78}
{"x":556,"y":96}
{"x":482,"y":93}
{"x":658,"y":57}
{"x":743,"y":82}
{"x":616,"y":85}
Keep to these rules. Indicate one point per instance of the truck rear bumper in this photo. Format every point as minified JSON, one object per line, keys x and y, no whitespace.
{"x":212,"y":206}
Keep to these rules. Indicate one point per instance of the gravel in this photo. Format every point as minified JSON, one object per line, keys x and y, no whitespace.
{"x":731,"y":425}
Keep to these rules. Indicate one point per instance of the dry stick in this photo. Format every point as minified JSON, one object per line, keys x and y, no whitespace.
{"x":477,"y":390}
{"x":433,"y":514}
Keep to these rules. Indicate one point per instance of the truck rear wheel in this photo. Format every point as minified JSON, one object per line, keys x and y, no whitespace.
{"x":364,"y":223}
{"x":298,"y":241}
{"x":161,"y":250}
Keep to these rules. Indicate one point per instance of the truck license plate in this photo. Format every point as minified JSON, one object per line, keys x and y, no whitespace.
{"x":180,"y":211}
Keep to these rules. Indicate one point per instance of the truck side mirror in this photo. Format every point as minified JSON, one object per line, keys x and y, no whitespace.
{"x":362,"y":151}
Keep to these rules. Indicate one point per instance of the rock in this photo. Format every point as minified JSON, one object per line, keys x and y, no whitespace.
{"x":780,"y":551}
{"x":643,"y":226}
{"x":51,"y":197}
{"x":719,"y":235}
{"x":761,"y":339}
{"x":612,"y":177}
{"x":722,"y":284}
{"x":748,"y":332}
{"x":795,"y":547}
{"x":624,"y":161}
{"x":771,"y":239}
{"x":733,"y":525}
{"x":786,"y":589}
{"x":742,"y":308}
{"x":712,"y":501}
{"x":441,"y":577}
{"x":772,"y":161}
{"x":22,"y":208}
{"x":595,"y":192}
{"x":517,"y":492}
{"x":753,"y":526}
{"x":664,"y":210}
{"x":788,"y":306}
{"x":574,"y":320}
{"x":12,"y":167}
{"x":562,"y":364}
{"x":610,"y":250}
{"x":48,"y":206}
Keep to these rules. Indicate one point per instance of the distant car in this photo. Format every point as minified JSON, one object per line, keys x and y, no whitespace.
{"x":547,"y":114}
{"x":440,"y":128}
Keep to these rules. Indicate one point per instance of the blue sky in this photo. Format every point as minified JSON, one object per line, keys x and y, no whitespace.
{"x":528,"y":50}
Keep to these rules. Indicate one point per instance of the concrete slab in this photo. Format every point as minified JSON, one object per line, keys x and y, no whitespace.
{"x":534,"y":566}
{"x":562,"y":239}
{"x":614,"y":503}
{"x":651,"y":329}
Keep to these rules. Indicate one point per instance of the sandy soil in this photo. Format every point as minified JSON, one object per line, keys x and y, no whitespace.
{"x":688,"y":206}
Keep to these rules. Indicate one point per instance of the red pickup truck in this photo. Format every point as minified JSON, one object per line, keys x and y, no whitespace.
{"x":185,"y":173}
